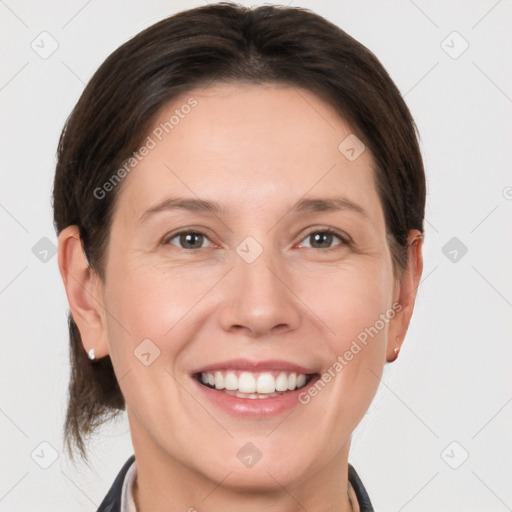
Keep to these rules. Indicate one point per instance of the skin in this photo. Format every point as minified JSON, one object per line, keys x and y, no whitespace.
{"x":256,"y":150}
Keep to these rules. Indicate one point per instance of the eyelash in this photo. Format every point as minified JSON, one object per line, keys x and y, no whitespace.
{"x":344,"y":239}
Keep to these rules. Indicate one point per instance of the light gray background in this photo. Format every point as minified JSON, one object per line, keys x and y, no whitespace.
{"x":452,"y":380}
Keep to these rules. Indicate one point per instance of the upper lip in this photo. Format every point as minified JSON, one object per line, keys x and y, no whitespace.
{"x":254,"y":366}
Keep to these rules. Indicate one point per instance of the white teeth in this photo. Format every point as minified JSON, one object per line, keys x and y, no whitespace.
{"x":265,"y":383}
{"x":254,"y":385}
{"x":252,"y":396}
{"x":219,"y":380}
{"x":282,"y":382}
{"x":246,"y":383}
{"x":231,"y":381}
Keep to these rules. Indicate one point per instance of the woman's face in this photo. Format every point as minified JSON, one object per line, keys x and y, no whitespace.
{"x":247,"y":246}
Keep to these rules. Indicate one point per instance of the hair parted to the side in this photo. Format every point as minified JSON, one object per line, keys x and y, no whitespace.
{"x":218,"y":43}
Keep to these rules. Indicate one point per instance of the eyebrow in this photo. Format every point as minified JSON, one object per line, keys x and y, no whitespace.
{"x":183,"y":203}
{"x":311,"y":205}
{"x":307,"y":205}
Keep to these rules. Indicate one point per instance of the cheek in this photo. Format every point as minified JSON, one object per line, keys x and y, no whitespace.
{"x":356,"y":310}
{"x":350,"y":301}
{"x":153,"y":302}
{"x":360,"y":320}
{"x":148,"y":328}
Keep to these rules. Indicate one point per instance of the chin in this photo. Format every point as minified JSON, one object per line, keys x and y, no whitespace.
{"x":251,"y":469}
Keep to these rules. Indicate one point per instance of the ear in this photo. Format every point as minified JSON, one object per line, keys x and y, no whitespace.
{"x":84,"y":290}
{"x":405,"y":294}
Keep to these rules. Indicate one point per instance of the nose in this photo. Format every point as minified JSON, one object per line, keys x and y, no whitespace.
{"x":259,"y":299}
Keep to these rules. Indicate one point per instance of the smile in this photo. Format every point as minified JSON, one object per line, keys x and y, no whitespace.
{"x":254,"y":389}
{"x":252,"y":385}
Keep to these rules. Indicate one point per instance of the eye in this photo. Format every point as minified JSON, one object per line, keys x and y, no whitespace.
{"x":188,"y":240}
{"x":319,"y":239}
{"x":322,"y":239}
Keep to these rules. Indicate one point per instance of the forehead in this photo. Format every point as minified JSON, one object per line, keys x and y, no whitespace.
{"x":249,"y":143}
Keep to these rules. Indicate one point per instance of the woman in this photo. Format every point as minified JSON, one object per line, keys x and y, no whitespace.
{"x":239,"y":198}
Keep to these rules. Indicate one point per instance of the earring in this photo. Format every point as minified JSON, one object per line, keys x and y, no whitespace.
{"x":396,"y":351}
{"x":92,"y":355}
{"x":394,"y":356}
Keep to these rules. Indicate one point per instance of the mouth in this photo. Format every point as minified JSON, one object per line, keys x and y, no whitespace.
{"x":253,"y":385}
{"x":254,"y":389}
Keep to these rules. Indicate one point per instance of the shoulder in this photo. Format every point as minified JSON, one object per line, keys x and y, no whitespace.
{"x":112,"y":501}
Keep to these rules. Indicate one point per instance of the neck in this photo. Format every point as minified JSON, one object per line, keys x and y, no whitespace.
{"x":164,"y":481}
{"x":194,"y":496}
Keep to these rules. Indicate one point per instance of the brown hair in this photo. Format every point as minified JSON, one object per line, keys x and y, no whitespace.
{"x":218,"y":43}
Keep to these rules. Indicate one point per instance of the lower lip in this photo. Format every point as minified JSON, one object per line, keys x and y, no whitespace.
{"x":255,"y":407}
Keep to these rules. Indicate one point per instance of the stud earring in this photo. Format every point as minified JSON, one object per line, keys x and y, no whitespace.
{"x":396,"y":351}
{"x":92,"y":355}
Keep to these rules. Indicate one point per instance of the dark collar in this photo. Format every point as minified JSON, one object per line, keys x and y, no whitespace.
{"x":365,"y":505}
{"x":112,"y":501}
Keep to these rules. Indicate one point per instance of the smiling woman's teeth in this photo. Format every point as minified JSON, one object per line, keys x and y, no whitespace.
{"x":253,"y":385}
